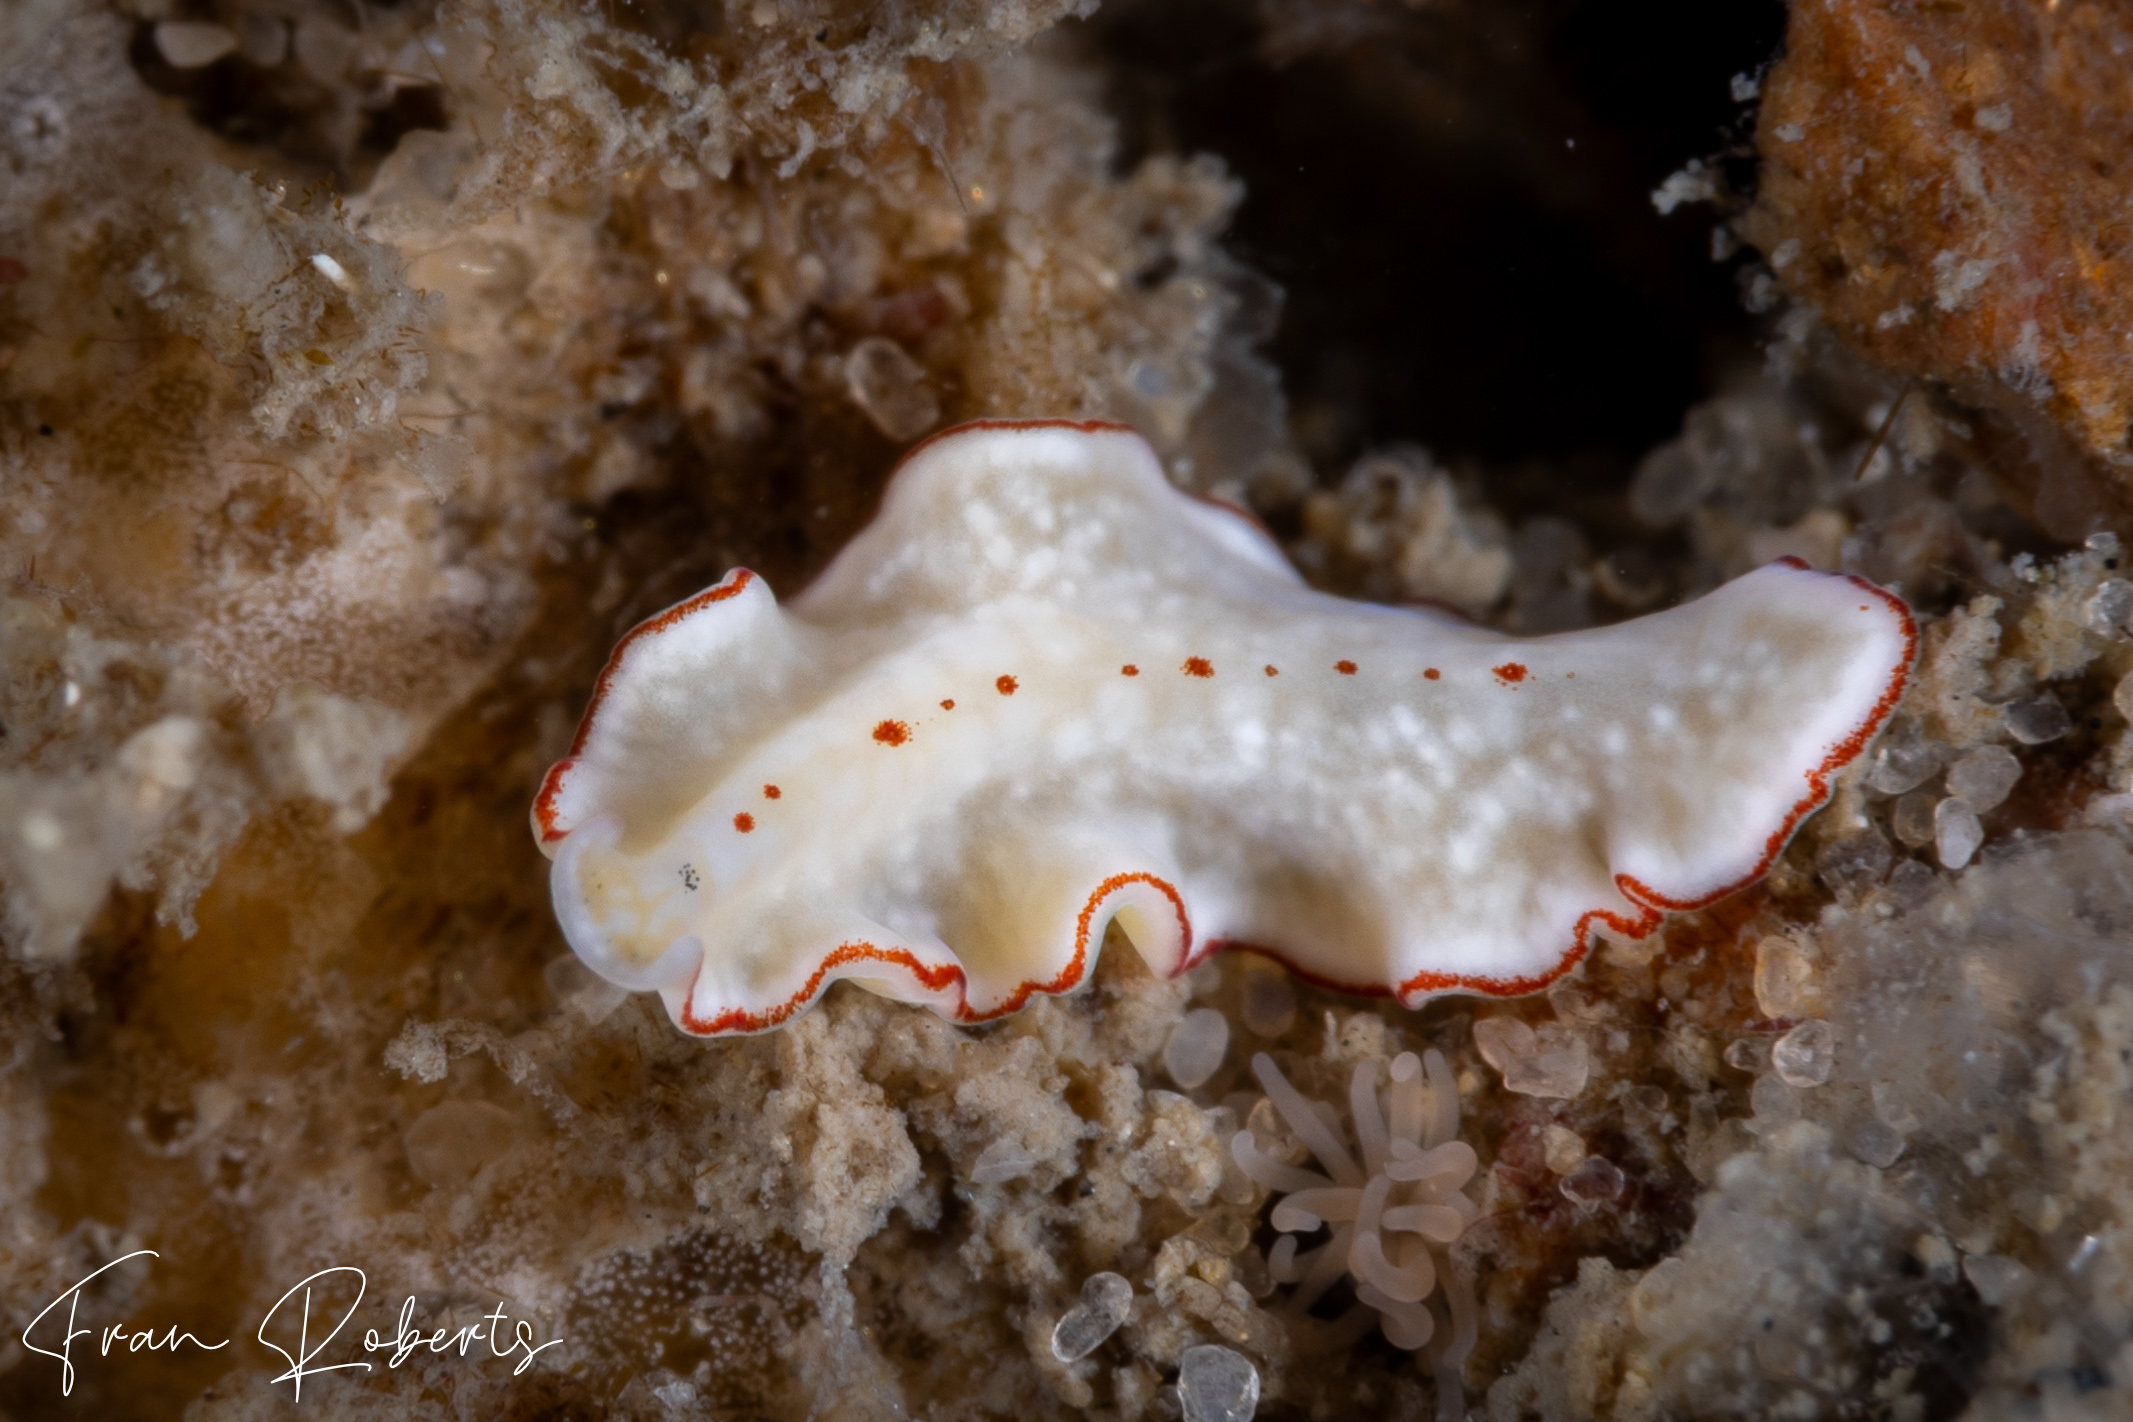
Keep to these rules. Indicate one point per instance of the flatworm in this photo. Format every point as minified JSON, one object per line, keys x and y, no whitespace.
{"x":1462,"y":819}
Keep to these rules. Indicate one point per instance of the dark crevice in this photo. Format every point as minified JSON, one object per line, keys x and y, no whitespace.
{"x":1457,"y":200}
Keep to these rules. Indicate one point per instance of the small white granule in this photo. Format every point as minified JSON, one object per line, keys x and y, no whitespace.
{"x":1105,"y":1301}
{"x":1216,"y":1384}
{"x":1985,"y":777}
{"x":189,"y":44}
{"x":333,"y":271}
{"x":1196,"y":1047}
{"x":1804,"y":1056}
{"x":1956,"y":832}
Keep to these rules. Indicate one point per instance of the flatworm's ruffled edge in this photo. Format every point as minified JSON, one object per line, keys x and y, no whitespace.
{"x":940,"y":979}
{"x":1652,"y":904}
{"x":548,"y":805}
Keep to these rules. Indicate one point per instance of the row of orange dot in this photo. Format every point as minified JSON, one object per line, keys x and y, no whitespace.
{"x":895,"y":733}
{"x":745,"y":822}
{"x":1202,"y":667}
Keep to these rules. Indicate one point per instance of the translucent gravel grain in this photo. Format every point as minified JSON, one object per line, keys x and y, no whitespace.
{"x":1548,"y":1061}
{"x":2109,"y":610}
{"x":1956,"y":832}
{"x":1912,"y":819}
{"x":1985,"y":777}
{"x":2037,"y":719}
{"x":1904,"y":762}
{"x":1216,"y":1384}
{"x":1804,"y":1056}
{"x":1105,"y":1301}
{"x":891,"y":387}
{"x":1876,"y":1143}
{"x":1196,"y":1047}
{"x":189,"y":44}
{"x":1995,"y":1277}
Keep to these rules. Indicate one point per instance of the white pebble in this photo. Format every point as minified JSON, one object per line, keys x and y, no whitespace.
{"x":188,"y":44}
{"x":1217,"y":1385}
{"x":2037,"y":719}
{"x":1106,"y":1299}
{"x":1985,"y":777}
{"x":1784,"y":979}
{"x":1904,"y":762}
{"x":1956,"y":832}
{"x":891,"y":388}
{"x":1804,"y":1056}
{"x":1912,"y":818}
{"x":1550,"y":1062}
{"x":1196,"y":1047}
{"x":2109,"y":611}
{"x":1749,"y":1054}
{"x":333,"y":271}
{"x":1995,"y":1277}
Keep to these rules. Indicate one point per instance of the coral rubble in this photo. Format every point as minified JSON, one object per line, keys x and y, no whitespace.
{"x":1945,"y":185}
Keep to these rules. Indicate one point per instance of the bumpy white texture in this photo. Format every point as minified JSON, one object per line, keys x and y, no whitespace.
{"x":1044,"y":690}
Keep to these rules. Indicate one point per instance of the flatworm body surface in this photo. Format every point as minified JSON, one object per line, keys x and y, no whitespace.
{"x":1045,"y":691}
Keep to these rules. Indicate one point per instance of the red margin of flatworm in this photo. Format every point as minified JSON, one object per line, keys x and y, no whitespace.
{"x":939,"y":977}
{"x":1084,"y":426}
{"x":552,"y":782}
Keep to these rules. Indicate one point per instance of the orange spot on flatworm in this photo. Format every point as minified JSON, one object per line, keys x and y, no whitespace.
{"x":744,"y":822}
{"x":1345,"y":668}
{"x":1007,"y":685}
{"x":949,"y":704}
{"x":1129,"y":670}
{"x":1510,"y":672}
{"x":1431,"y":673}
{"x":1199,"y":666}
{"x":892,"y":733}
{"x":771,"y":792}
{"x":1271,"y":671}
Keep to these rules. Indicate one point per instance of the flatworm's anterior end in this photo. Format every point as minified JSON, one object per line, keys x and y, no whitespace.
{"x":575,"y":879}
